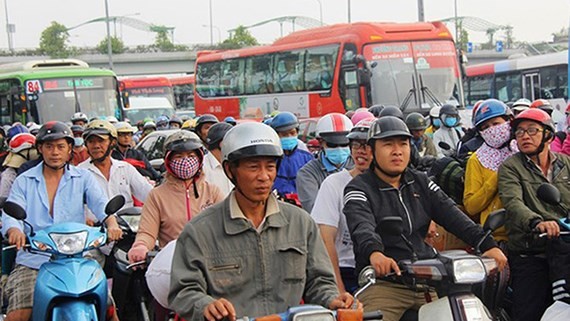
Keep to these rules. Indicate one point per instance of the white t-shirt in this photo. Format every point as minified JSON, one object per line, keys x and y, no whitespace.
{"x":328,"y":211}
{"x":215,"y":174}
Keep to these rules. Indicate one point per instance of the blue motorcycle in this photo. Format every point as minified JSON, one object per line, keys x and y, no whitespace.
{"x":69,"y":286}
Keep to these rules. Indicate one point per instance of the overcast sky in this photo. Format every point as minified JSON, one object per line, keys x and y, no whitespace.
{"x":532,"y":20}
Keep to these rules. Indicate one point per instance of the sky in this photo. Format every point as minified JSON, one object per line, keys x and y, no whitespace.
{"x":191,"y":17}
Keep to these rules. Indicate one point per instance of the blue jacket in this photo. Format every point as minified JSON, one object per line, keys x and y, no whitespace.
{"x":288,"y":168}
{"x":29,"y":191}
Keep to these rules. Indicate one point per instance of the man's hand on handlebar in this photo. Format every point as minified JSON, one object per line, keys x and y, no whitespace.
{"x":499,"y":257}
{"x":114,"y":232}
{"x":551,"y":228}
{"x":383,"y":265}
{"x":137,"y":253}
{"x":220,"y":309}
{"x":16,"y":237}
{"x":343,"y":301}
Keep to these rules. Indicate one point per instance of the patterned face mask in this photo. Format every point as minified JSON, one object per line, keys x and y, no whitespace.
{"x":497,"y":136}
{"x":185,"y":168}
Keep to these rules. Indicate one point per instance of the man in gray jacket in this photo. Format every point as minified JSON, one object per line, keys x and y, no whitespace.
{"x":251,"y":255}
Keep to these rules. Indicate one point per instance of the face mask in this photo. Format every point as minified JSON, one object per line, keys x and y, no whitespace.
{"x":78,"y":141}
{"x":289,"y":143}
{"x":450,"y":121}
{"x":437,"y":122}
{"x":337,"y":155}
{"x":185,"y":168}
{"x":497,"y":135}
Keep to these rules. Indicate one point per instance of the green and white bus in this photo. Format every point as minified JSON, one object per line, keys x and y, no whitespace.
{"x":44,"y":90}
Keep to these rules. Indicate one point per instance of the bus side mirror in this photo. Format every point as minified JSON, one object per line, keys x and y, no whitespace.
{"x":125,"y":97}
{"x":363,"y":76}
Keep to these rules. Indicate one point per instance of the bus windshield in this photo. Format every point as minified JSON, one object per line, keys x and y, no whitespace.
{"x":415,"y":75}
{"x":59,"y":98}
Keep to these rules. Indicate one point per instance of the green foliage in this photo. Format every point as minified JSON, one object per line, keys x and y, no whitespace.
{"x":53,"y":41}
{"x":239,"y":39}
{"x":163,"y":42}
{"x":117,"y":46}
{"x":463,"y":36}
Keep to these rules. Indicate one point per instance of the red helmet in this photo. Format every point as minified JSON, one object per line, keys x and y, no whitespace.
{"x":542,"y":104}
{"x":536,"y":115}
{"x":22,"y":142}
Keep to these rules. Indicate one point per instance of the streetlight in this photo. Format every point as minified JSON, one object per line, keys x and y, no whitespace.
{"x":211,"y":26}
{"x":10,"y":28}
{"x":109,"y":48}
{"x":218,"y":29}
{"x":321,"y":11}
{"x":456,"y":22}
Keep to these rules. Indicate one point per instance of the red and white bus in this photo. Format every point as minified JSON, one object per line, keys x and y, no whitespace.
{"x":183,"y":87}
{"x":333,"y":69}
{"x":146,"y":87}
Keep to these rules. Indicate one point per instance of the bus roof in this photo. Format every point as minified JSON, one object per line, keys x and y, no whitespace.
{"x":360,"y":33}
{"x":145,"y":82}
{"x":553,"y":59}
{"x":41,"y":69}
{"x":183,"y":80}
{"x":30,"y":65}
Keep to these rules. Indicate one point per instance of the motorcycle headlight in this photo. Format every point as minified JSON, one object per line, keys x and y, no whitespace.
{"x":468,"y":271}
{"x":69,"y":244}
{"x":322,"y":315}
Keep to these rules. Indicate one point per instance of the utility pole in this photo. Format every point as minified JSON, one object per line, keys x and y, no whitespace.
{"x":349,"y":11}
{"x":109,"y":48}
{"x":9,"y":28}
{"x":421,"y":16}
{"x":211,"y":26}
{"x":456,"y":24}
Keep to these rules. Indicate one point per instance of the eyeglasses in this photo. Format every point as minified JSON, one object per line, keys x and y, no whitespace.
{"x":357,"y":145}
{"x":532,"y":131}
{"x":332,"y":145}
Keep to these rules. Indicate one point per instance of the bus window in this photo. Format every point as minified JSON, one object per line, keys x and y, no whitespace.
{"x":562,"y":76}
{"x":288,"y":75}
{"x":319,"y":68}
{"x":208,"y":79}
{"x":10,"y":104}
{"x":348,"y":85}
{"x":479,"y":88}
{"x":231,"y":82}
{"x":258,"y":75}
{"x":508,"y":87}
{"x":548,"y":83}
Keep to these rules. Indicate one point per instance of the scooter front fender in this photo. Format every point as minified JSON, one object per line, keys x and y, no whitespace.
{"x":73,"y":279}
{"x":465,"y":307}
{"x":75,"y":311}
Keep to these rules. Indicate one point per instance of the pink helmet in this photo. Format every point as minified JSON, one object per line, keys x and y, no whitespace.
{"x":358,"y":116}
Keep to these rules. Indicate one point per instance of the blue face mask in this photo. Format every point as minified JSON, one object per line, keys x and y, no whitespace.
{"x":437,"y":122}
{"x":451,"y":122}
{"x":289,"y":143}
{"x":78,"y":141}
{"x":337,"y":155}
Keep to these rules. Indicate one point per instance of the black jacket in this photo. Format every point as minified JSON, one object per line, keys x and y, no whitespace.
{"x":367,"y":200}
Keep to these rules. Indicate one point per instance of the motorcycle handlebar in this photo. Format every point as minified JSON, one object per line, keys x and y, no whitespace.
{"x":373,"y":315}
{"x":545,"y":234}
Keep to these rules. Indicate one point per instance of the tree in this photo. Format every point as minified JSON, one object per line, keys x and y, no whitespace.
{"x":117,"y":46}
{"x":463,"y":36}
{"x":163,"y":42}
{"x":240,"y":38}
{"x":560,"y":36}
{"x":53,"y":41}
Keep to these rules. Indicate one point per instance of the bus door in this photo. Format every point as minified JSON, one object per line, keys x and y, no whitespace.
{"x":531,"y":86}
{"x":349,"y":86}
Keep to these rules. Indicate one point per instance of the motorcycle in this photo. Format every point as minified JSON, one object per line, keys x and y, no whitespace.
{"x":452,"y":273}
{"x":129,"y":290}
{"x":69,"y":286}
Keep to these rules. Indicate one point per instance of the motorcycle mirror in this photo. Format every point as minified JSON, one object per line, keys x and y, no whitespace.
{"x":114,"y":204}
{"x":366,"y":275}
{"x":444,"y":146}
{"x":14,"y":210}
{"x":549,"y":194}
{"x":391,"y":225}
{"x":495,"y":220}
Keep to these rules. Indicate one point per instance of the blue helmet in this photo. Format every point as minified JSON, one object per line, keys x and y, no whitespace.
{"x":17,"y":128}
{"x":230,"y":120}
{"x":284,"y":121}
{"x":488,"y":109}
{"x":162,"y":121}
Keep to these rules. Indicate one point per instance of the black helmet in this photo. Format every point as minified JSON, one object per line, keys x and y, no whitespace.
{"x":415,"y":121}
{"x":54,"y":130}
{"x":181,"y":141}
{"x":205,"y":119}
{"x":216,"y":134}
{"x":392,"y":111}
{"x":448,"y":109}
{"x":175,"y":120}
{"x":386,"y":127}
{"x":376,"y":109}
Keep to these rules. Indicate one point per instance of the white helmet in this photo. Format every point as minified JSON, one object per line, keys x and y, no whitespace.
{"x":112,"y":119}
{"x":333,"y":128}
{"x":250,"y":140}
{"x":521,"y":104}
{"x":124,"y":127}
{"x":434,"y":111}
{"x":78,"y":117}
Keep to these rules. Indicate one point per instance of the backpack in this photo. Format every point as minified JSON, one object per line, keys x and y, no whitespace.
{"x":449,"y":174}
